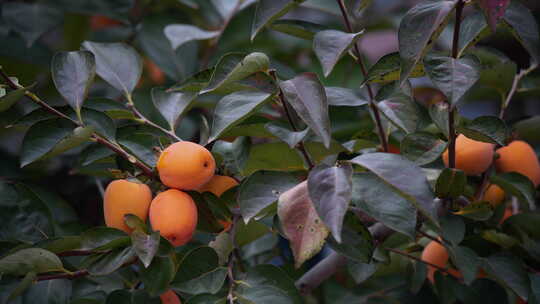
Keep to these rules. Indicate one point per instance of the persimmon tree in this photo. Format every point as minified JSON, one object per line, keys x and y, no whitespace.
{"x":344,"y":178}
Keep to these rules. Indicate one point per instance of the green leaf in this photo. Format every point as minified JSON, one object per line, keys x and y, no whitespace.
{"x":159,"y":275}
{"x":419,"y":29}
{"x":73,"y":73}
{"x":100,"y":122}
{"x":141,"y":146}
{"x":101,"y":237}
{"x":518,"y":185}
{"x":172,"y":105}
{"x":207,"y":299}
{"x":11,"y":98}
{"x":145,"y":245}
{"x":422,"y":147}
{"x":331,"y":45}
{"x":223,"y":246}
{"x":478,"y":211}
{"x":307,"y":96}
{"x":109,"y":262}
{"x":402,"y":111}
{"x":467,"y":262}
{"x":250,"y":232}
{"x":454,"y":77}
{"x":330,"y":191}
{"x":508,"y":270}
{"x":232,"y":155}
{"x":404,"y":176}
{"x":234,"y":108}
{"x":268,"y":11}
{"x":210,"y":282}
{"x":473,"y":29}
{"x":418,"y":276}
{"x":31,"y":259}
{"x":48,"y":292}
{"x":38,"y":19}
{"x":439,"y":114}
{"x":301,"y":224}
{"x":261,"y":189}
{"x":236,"y":66}
{"x":297,"y":28}
{"x":42,"y":137}
{"x":117,"y":63}
{"x":380,"y":201}
{"x":497,"y":70}
{"x":79,"y":136}
{"x":337,"y":96}
{"x":451,"y":183}
{"x":281,"y":131}
{"x":267,"y":284}
{"x":535,"y":288}
{"x":488,"y":129}
{"x":357,"y":242}
{"x":178,"y":34}
{"x":522,"y":23}
{"x":360,"y":272}
{"x":388,"y":69}
{"x":116,"y":9}
{"x":23,"y":285}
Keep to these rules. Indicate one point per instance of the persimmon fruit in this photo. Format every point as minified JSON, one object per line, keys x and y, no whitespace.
{"x":494,"y":195}
{"x":174,"y":214}
{"x":170,"y":297}
{"x":519,"y":157}
{"x":436,"y":254}
{"x":472,"y":157}
{"x":185,"y":165}
{"x":124,"y":197}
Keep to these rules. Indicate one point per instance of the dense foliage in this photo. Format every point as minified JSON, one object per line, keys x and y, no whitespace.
{"x":372,"y":151}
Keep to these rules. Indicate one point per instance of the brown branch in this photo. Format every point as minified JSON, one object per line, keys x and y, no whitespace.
{"x":75,"y":253}
{"x":144,"y":120}
{"x":112,"y":146}
{"x":372,"y":104}
{"x":69,"y":276}
{"x":422,"y":233}
{"x":514,"y":88}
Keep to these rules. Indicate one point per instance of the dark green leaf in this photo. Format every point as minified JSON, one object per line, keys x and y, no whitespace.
{"x":100,"y":122}
{"x":439,"y":114}
{"x":467,"y":262}
{"x":117,"y":63}
{"x":419,"y":29}
{"x":11,"y":98}
{"x":145,"y":245}
{"x":473,"y":29}
{"x":269,"y":10}
{"x":42,"y":137}
{"x":261,"y":189}
{"x":250,"y":232}
{"x":422,"y":148}
{"x":524,"y":27}
{"x":509,"y":271}
{"x":357,"y":242}
{"x":298,"y":28}
{"x":100,"y":237}
{"x":380,"y":201}
{"x":178,"y":34}
{"x":388,"y":69}
{"x":207,"y":299}
{"x":331,"y":45}
{"x":195,"y":264}
{"x":116,"y":9}
{"x":360,"y":272}
{"x":488,"y":129}
{"x":141,"y":146}
{"x":497,"y":70}
{"x":234,"y":108}
{"x":37,"y":20}
{"x":23,"y":285}
{"x":31,"y":259}
{"x":307,"y":96}
{"x":172,"y":105}
{"x":337,"y":96}
{"x":454,"y":77}
{"x":418,"y":276}
{"x":281,"y":131}
{"x":402,"y":111}
{"x":232,"y":156}
{"x":159,"y":275}
{"x":450,"y":183}
{"x":301,"y":224}
{"x":330,"y":191}
{"x":73,"y":73}
{"x":236,"y":66}
{"x":106,"y":263}
{"x":267,"y":284}
{"x":478,"y":211}
{"x":209,"y":282}
{"x":518,"y":185}
{"x":404,"y":176}
{"x":49,"y":292}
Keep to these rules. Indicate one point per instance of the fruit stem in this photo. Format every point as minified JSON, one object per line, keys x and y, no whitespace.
{"x":372,"y":104}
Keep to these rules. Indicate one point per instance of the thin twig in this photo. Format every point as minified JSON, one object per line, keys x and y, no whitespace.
{"x":76,"y":274}
{"x":514,"y":88}
{"x":112,"y":146}
{"x":372,"y":104}
{"x":75,"y":253}
{"x":424,"y":234}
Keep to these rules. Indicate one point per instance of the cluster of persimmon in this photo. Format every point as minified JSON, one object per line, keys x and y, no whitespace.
{"x":183,"y":166}
{"x":474,"y":158}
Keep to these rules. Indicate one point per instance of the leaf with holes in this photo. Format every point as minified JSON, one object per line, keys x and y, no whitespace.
{"x":330,"y":191}
{"x":331,"y":45}
{"x":454,"y":77}
{"x":307,"y":96}
{"x":419,"y":29}
{"x":179,"y":34}
{"x":301,"y":225}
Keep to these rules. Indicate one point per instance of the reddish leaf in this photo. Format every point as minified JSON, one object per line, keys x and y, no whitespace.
{"x":301,"y":224}
{"x":494,"y":10}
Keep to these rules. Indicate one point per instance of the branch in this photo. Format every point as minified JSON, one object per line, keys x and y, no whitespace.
{"x":69,"y":276}
{"x":514,"y":88}
{"x":327,"y":267}
{"x":112,"y":146}
{"x":372,"y":104}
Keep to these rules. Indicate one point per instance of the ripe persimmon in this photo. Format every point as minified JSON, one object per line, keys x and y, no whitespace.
{"x":494,"y":195}
{"x":436,"y":254}
{"x":218,"y":185}
{"x":170,"y":297}
{"x":185,"y":165}
{"x":123,"y":197}
{"x":156,"y":74}
{"x":473,"y":157}
{"x":519,"y":157}
{"x":174,"y":214}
